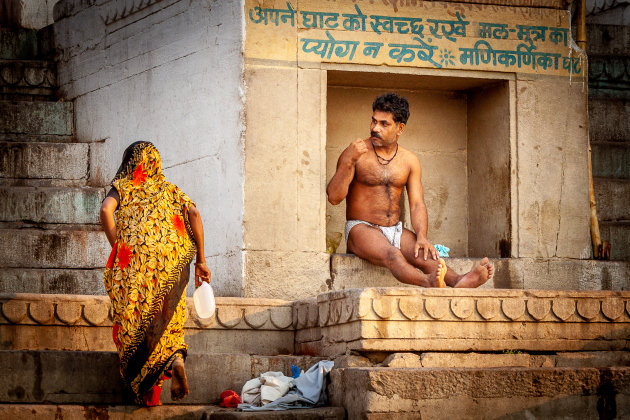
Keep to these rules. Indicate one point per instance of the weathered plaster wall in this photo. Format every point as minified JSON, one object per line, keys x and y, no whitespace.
{"x":489,"y":192}
{"x":552,"y":165}
{"x":169,"y":72}
{"x":284,"y":228}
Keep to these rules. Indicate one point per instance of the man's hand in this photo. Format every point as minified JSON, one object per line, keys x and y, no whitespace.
{"x":202,"y":273}
{"x":427,"y":249}
{"x":357,"y":149}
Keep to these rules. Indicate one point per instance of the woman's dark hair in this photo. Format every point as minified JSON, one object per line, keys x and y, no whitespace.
{"x":391,"y":102}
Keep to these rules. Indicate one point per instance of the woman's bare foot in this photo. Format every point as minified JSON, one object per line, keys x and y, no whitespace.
{"x":437,"y":279}
{"x":179,"y":386}
{"x":481,"y":272}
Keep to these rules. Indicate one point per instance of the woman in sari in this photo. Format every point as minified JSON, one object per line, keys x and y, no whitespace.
{"x":155,"y":235}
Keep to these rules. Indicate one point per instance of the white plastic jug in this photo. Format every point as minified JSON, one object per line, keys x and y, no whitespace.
{"x":204,"y":300}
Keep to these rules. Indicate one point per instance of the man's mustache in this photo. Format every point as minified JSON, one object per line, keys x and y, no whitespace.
{"x":373,"y":134}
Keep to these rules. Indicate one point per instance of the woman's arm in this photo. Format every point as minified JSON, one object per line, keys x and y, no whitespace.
{"x":107,"y":216}
{"x":201,"y":269}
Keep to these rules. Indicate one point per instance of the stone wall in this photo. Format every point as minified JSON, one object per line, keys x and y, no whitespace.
{"x":500,"y":119}
{"x":511,"y":182}
{"x":169,"y":72}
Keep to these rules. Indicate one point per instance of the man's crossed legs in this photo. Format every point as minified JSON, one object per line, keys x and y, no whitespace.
{"x":369,"y":243}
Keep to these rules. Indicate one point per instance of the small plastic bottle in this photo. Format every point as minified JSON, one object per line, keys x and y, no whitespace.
{"x":204,"y":301}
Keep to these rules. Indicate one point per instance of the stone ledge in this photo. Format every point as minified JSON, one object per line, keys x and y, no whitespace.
{"x":66,"y":377}
{"x":84,"y":310}
{"x":53,"y":248}
{"x":51,"y":204}
{"x":44,"y":160}
{"x":179,"y":411}
{"x":364,"y":320}
{"x":349,"y":271}
{"x":83,"y":322}
{"x":38,"y":118}
{"x":42,"y":280}
{"x":411,"y":319}
{"x":382,"y":393}
{"x":597,"y":359}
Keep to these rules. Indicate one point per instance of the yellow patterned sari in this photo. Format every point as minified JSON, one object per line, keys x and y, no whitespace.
{"x":146,"y":274}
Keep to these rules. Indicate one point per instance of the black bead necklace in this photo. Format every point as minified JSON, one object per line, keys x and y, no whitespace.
{"x":379,"y":158}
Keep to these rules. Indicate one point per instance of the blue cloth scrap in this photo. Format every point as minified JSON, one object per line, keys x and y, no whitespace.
{"x":442,"y":250}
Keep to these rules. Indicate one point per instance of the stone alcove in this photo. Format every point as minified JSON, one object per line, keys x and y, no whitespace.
{"x":460,"y":128}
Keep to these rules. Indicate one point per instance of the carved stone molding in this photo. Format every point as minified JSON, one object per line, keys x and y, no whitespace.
{"x":27,"y":74}
{"x":95,"y":311}
{"x":407,"y":319}
{"x":609,"y":72}
{"x":466,"y":306}
{"x":375,"y":319}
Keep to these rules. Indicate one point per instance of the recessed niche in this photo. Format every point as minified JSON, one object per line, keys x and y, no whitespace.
{"x":460,"y":130}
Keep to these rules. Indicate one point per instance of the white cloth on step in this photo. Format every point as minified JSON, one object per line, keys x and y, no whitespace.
{"x":251,"y":392}
{"x":274,"y":385}
{"x":265,"y":389}
{"x":309,"y":390}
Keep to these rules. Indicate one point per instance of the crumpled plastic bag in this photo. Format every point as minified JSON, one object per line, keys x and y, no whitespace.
{"x":265,"y":389}
{"x":308,"y":390}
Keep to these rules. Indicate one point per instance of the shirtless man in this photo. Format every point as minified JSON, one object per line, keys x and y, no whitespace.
{"x":370,"y":175}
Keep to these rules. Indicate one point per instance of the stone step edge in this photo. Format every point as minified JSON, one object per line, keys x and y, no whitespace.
{"x":165,"y":411}
{"x":617,"y":143}
{"x":480,"y":393}
{"x":37,"y":138}
{"x":41,"y":377}
{"x":396,"y":360}
{"x":483,"y":383}
{"x":232,"y":313}
{"x":497,"y":359}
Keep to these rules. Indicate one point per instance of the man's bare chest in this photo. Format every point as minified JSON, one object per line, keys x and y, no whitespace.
{"x":374,"y":174}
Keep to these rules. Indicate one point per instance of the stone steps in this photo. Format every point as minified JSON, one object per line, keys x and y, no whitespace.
{"x":608,"y":48}
{"x":37,"y":118}
{"x":19,"y":44}
{"x":29,"y":138}
{"x":52,"y":281}
{"x":69,"y":377}
{"x":472,"y":360}
{"x":349,"y":271}
{"x":613,"y":196}
{"x":611,"y":159}
{"x":84,"y":323}
{"x":618,"y":234}
{"x":60,"y":161}
{"x":506,"y":393}
{"x":393,"y":320}
{"x":180,"y":412}
{"x":611,"y":40}
{"x":51,"y":205}
{"x":608,"y":119}
{"x":35,"y":248}
{"x":398,"y":352}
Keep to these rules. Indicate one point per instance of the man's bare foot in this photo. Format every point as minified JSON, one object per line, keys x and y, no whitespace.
{"x":440,"y":272}
{"x":179,"y":386}
{"x":480,"y":273}
{"x":490,"y":268}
